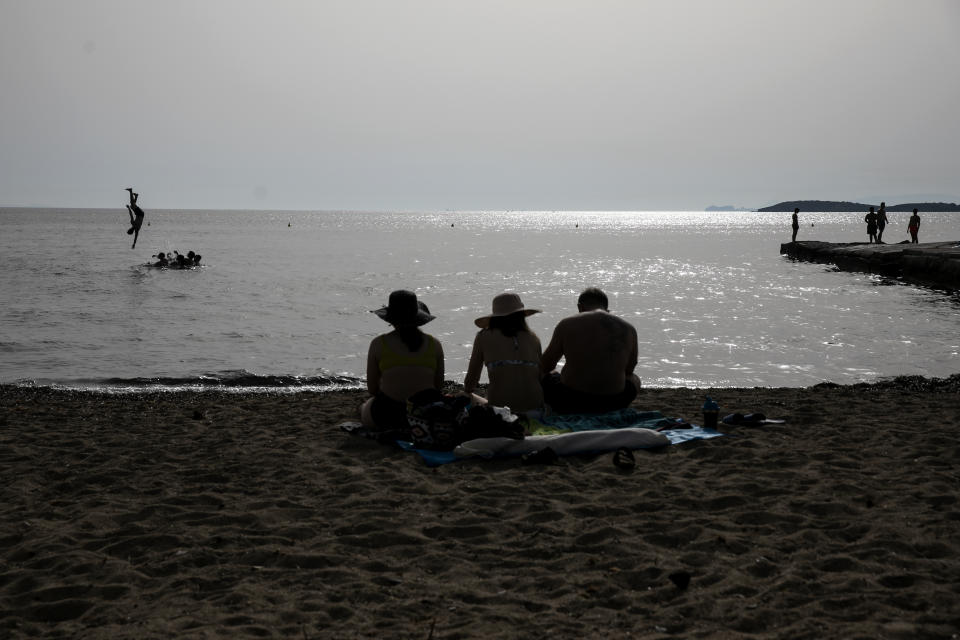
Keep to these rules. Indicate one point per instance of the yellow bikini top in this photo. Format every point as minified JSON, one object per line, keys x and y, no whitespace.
{"x":427,"y":358}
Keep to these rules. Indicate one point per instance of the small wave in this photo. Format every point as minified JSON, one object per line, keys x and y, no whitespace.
{"x":234,"y":381}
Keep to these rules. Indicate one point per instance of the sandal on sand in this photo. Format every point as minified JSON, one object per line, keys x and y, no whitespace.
{"x":623,"y":459}
{"x":351,"y":427}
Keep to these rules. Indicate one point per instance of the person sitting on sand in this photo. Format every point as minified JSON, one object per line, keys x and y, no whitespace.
{"x":400,"y":363}
{"x":511,"y":353}
{"x":136,"y":217}
{"x":914,"y":227}
{"x":871,"y":220}
{"x":601,"y":354}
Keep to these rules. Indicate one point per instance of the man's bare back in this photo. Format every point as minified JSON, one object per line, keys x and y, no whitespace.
{"x":600,"y":351}
{"x":601,"y":354}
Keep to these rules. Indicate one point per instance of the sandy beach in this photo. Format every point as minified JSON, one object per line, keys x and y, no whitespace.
{"x":220,"y":515}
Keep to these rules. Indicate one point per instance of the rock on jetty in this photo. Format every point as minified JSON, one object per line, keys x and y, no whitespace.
{"x":930,"y":263}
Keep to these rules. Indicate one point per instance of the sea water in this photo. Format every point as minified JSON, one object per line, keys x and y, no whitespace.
{"x":283,"y":299}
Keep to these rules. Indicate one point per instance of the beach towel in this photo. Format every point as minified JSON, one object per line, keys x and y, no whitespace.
{"x":673,"y":436}
{"x":572,"y":434}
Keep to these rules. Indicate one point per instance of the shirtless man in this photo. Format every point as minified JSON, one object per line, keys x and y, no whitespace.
{"x":136,"y":217}
{"x":882,"y":221}
{"x":914,"y":227}
{"x":601,"y":354}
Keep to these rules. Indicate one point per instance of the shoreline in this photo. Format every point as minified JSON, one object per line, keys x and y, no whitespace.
{"x":917,"y":382}
{"x":246,"y":515}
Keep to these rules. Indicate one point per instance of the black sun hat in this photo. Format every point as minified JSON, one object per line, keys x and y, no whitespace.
{"x":404,"y":310}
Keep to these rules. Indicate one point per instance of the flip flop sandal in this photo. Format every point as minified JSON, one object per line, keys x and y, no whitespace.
{"x":623,"y":459}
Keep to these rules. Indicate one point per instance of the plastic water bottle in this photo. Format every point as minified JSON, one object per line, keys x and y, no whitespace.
{"x":710,"y":411}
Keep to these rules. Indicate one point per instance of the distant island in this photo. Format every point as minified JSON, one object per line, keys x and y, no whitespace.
{"x":725,"y":207}
{"x":833,"y":205}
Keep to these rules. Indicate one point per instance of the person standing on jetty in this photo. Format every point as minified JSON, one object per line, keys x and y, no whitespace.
{"x":601,"y":354}
{"x":881,"y":221}
{"x":796,"y":224}
{"x":914,"y":226}
{"x":400,"y":363}
{"x":871,"y":220}
{"x":136,"y":217}
{"x":511,"y":353}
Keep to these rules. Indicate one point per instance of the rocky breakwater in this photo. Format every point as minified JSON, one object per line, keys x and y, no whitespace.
{"x":930,"y":263}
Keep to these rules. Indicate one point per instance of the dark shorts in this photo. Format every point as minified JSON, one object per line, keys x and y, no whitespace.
{"x":387,"y":413}
{"x":563,"y":399}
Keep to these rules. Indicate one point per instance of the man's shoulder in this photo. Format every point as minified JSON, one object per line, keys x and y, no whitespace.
{"x":594,"y":319}
{"x":576,"y":322}
{"x":625,"y":323}
{"x":601,"y":315}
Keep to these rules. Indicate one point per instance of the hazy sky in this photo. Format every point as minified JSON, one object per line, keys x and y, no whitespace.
{"x":484,"y":104}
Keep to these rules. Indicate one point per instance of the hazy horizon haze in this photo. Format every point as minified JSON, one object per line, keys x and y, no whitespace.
{"x":420,"y":105}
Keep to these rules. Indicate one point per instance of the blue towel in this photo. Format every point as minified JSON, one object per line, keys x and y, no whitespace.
{"x":613,"y":420}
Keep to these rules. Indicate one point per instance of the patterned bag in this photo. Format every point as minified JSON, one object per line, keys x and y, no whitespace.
{"x":434,"y":419}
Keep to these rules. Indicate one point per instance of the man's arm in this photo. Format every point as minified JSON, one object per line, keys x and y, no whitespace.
{"x":550,"y":357}
{"x":634,"y":352}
